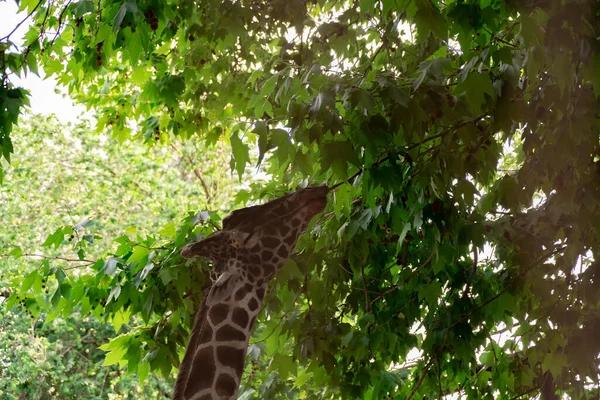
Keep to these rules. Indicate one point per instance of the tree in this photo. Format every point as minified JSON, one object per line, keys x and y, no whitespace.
{"x":467,"y":133}
{"x":63,"y":176}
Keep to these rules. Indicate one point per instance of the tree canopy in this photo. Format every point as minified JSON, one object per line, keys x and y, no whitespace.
{"x":466,"y":228}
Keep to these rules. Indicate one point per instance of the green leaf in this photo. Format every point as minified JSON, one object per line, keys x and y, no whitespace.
{"x":110,"y":266}
{"x":366,"y":320}
{"x":114,"y":293}
{"x":135,"y":49}
{"x":467,"y":190}
{"x":554,"y":362}
{"x":143,"y":370}
{"x":347,"y":338}
{"x":120,"y":317}
{"x":405,"y":229}
{"x":476,"y":86}
{"x":487,"y":358}
{"x":119,"y":17}
{"x":269,"y":86}
{"x":55,"y":239}
{"x":288,"y":271}
{"x":430,"y":293}
{"x":337,"y":155}
{"x":28,"y":281}
{"x":284,"y":365}
{"x":60,"y":275}
{"x":261,"y":129}
{"x":146,"y":270}
{"x":240,"y":155}
{"x":247,"y":395}
{"x":139,"y":253}
{"x":83,"y":7}
{"x":428,"y":19}
{"x":168,"y":230}
{"x":114,"y":356}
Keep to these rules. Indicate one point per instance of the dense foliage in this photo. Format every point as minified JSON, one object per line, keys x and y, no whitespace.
{"x":62,"y":175}
{"x":467,"y":231}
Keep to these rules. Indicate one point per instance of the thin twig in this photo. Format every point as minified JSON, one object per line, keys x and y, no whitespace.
{"x":60,"y":17}
{"x":197,"y":173}
{"x":415,"y":272}
{"x":42,"y":32}
{"x":421,"y":379}
{"x":281,"y":319}
{"x":89,"y":262}
{"x":412,"y":146}
{"x":362,"y":268}
{"x":485,"y":303}
{"x":498,"y":38}
{"x":104,"y":382}
{"x":535,"y":389}
{"x":21,"y":23}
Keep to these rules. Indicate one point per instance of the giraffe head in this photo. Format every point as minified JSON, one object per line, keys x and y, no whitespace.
{"x":218,"y":247}
{"x":306,"y":202}
{"x":295,"y":209}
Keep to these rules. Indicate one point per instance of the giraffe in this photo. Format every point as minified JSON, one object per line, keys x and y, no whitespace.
{"x":253,"y":244}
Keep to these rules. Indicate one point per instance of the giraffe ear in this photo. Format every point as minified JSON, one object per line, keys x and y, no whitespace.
{"x":215,"y":247}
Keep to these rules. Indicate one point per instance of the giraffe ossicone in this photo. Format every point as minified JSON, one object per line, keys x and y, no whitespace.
{"x":253,"y":245}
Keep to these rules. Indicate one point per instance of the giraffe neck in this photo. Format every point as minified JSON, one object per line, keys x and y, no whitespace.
{"x":253,"y":245}
{"x":214,"y":359}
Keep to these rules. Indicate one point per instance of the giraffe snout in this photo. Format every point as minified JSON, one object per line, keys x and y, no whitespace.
{"x":186,"y":252}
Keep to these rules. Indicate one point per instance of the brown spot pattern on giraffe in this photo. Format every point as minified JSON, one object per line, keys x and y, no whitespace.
{"x":241,"y":293}
{"x":205,"y":363}
{"x":240,"y":317}
{"x":228,"y":333}
{"x":282,"y":251}
{"x":206,"y":334}
{"x":268,"y":271}
{"x":253,"y":304}
{"x":270,"y":242}
{"x":271,"y":230}
{"x":218,"y":313}
{"x":290,"y":240}
{"x":255,"y":259}
{"x":232,"y":357}
{"x":226,"y":385}
{"x":266,"y":255}
{"x":254,"y":270}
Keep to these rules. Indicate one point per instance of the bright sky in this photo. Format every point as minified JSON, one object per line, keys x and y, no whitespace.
{"x":44,"y":97}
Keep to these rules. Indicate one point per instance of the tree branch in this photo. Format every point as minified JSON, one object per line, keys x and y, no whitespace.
{"x":500,"y":293}
{"x":197,"y":173}
{"x":22,"y":22}
{"x":86,"y":262}
{"x":415,"y":272}
{"x":421,"y":379}
{"x":60,"y":18}
{"x":412,"y":146}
